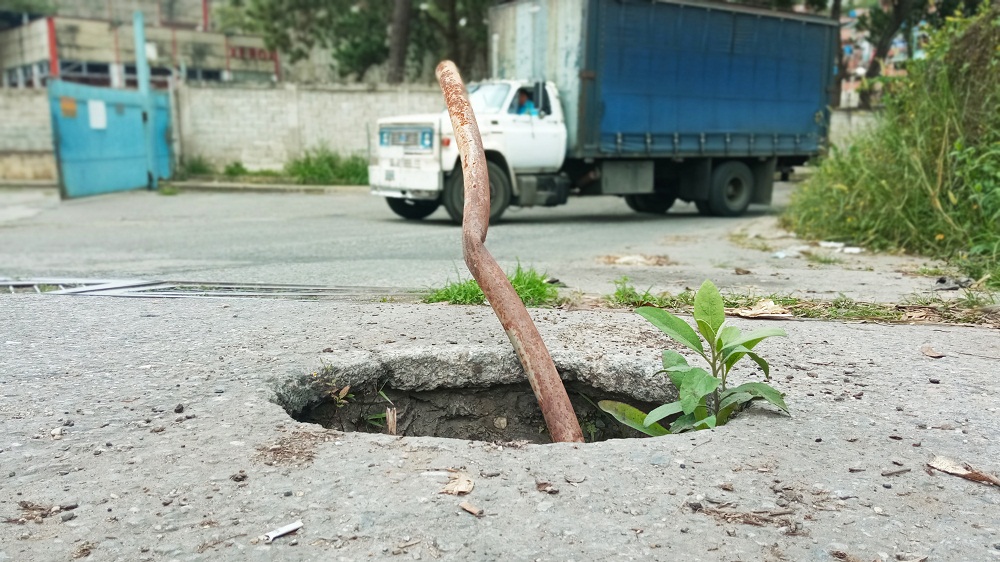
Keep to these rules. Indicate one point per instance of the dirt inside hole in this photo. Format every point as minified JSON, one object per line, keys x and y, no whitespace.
{"x":502,"y":413}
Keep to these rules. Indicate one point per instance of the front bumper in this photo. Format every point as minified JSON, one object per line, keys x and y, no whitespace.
{"x":408,"y":183}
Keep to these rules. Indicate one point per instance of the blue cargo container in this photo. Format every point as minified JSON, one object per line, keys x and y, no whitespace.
{"x":682,"y":86}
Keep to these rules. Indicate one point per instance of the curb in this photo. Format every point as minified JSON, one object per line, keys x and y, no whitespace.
{"x":264,"y":188}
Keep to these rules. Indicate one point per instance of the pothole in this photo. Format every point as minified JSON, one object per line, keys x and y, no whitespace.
{"x":382,"y":395}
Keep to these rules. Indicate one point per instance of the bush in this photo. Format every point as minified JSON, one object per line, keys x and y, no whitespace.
{"x":324,"y":167}
{"x":926,"y":178}
{"x":235,"y":170}
{"x":195,"y":166}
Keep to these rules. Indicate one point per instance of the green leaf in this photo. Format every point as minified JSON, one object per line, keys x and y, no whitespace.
{"x":756,"y":359}
{"x":726,"y":335}
{"x":750,"y":339}
{"x":756,"y":337}
{"x":734,"y":399}
{"x":708,"y":422}
{"x":761,"y":390}
{"x":632,"y":417}
{"x":672,"y":326}
{"x":673,"y":361}
{"x":683,"y":423}
{"x":708,"y":306}
{"x":663,"y":411}
{"x":706,"y":330}
{"x":695,"y":385}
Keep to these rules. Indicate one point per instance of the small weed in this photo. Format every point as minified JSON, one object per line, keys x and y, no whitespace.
{"x":626,"y":296}
{"x":744,"y":240}
{"x":824,"y":259}
{"x":195,"y":166}
{"x":459,"y":292}
{"x":705,"y":399}
{"x":324,"y":167}
{"x":528,"y":283}
{"x":235,"y":170}
{"x":167,"y":190}
{"x":933,"y":271}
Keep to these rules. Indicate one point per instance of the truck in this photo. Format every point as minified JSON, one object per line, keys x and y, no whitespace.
{"x":649,"y":100}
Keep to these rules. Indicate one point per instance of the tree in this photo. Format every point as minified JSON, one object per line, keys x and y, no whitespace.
{"x":399,"y":40}
{"x":355,"y":31}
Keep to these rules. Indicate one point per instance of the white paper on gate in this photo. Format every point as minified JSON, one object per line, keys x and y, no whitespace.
{"x":98,"y":112}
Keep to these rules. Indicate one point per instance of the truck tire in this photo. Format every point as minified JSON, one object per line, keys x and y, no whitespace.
{"x":500,"y":193}
{"x":731,"y":189}
{"x":703,"y":208}
{"x":652,"y":203}
{"x":412,"y":209}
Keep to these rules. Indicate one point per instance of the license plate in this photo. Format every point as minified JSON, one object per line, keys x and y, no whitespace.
{"x":390,"y":175}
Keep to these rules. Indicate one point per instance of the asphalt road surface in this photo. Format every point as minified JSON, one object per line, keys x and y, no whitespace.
{"x":347,"y":237}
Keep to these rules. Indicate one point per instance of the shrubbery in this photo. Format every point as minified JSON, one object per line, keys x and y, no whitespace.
{"x":926,"y":178}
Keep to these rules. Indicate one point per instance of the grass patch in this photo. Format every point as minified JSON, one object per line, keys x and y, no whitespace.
{"x":324,"y":167}
{"x":195,"y":166}
{"x":926,"y":178}
{"x":743,"y":240}
{"x":822,"y":259}
{"x":973,"y":307}
{"x":167,"y":189}
{"x":235,"y":170}
{"x":529,"y":284}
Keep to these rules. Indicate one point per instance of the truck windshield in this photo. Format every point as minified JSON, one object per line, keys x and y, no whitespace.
{"x":488,"y":98}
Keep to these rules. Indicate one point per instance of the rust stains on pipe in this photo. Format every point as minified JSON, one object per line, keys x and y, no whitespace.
{"x":545,"y":382}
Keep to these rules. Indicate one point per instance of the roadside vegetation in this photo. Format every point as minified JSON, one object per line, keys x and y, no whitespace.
{"x":971,"y":307}
{"x":926,"y":178}
{"x":529,"y":284}
{"x":319,"y":166}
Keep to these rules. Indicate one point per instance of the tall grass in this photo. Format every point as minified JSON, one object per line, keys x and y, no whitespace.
{"x":528,"y":283}
{"x":926,"y":178}
{"x":322,"y":166}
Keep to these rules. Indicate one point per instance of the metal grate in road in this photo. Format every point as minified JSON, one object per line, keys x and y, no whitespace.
{"x":185,"y":289}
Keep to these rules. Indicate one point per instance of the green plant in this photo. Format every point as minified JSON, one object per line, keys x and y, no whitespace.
{"x":325,"y":167}
{"x":529,"y":284}
{"x":235,"y":170}
{"x":706,"y":399}
{"x":168,"y":190}
{"x":196,"y":166}
{"x":926,"y":177}
{"x":823,"y":259}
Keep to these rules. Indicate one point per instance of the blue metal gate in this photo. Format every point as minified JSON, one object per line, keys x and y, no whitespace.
{"x":101,"y":138}
{"x":107,"y":139}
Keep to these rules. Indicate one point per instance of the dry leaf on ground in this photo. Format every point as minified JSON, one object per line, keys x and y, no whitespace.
{"x":478,"y":512}
{"x":962,"y":470}
{"x":930,"y":352}
{"x":763,"y":309}
{"x":636,"y":259}
{"x":459,"y":483}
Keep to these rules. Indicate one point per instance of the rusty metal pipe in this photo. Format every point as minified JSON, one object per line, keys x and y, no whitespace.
{"x":545,"y":382}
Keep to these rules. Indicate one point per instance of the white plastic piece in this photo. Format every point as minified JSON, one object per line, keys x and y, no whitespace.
{"x":280,"y":532}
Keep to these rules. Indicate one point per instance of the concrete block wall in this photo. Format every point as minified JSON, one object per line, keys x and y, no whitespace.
{"x":263,"y":128}
{"x":25,"y":135}
{"x":848,"y":123}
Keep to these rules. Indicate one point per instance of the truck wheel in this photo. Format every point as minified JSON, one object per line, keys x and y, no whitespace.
{"x":731,"y":189}
{"x":413,"y":209}
{"x":703,"y":208}
{"x":652,"y":203}
{"x":500,"y":193}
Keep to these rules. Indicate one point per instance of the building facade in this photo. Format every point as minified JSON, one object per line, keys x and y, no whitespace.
{"x":91,"y":42}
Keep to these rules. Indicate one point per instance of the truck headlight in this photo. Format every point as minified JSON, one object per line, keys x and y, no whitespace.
{"x":426,"y":139}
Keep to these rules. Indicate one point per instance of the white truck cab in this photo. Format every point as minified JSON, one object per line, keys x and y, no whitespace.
{"x":416,"y":164}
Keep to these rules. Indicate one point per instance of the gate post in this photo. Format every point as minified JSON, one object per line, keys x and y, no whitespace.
{"x":142,"y":75}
